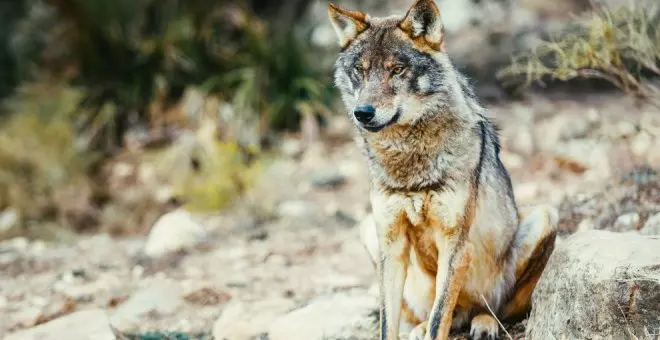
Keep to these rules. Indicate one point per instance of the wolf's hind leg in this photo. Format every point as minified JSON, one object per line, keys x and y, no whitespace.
{"x":534,"y":243}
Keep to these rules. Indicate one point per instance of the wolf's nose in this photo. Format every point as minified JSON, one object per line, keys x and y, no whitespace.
{"x":364,"y":113}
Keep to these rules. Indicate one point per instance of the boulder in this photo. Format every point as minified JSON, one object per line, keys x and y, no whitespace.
{"x":599,"y":285}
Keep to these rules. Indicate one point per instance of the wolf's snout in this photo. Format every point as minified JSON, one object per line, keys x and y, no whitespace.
{"x":364,"y":113}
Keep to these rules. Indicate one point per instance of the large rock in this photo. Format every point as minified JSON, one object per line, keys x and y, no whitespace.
{"x":599,"y":285}
{"x":83,"y":325}
{"x":340,"y":316}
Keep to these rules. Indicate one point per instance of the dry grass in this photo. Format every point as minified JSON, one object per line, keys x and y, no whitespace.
{"x":42,"y":163}
{"x":619,"y":45}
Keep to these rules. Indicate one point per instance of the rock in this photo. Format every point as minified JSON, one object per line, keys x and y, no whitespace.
{"x":573,"y":127}
{"x":207,"y":296}
{"x":526,"y":192}
{"x":652,"y":226}
{"x":81,"y":290}
{"x":586,"y":224}
{"x":627,"y":222}
{"x":598,"y":285}
{"x":173,"y":232}
{"x":512,"y":160}
{"x":296,"y":208}
{"x":244,"y":321}
{"x":291,"y":147}
{"x":9,"y":220}
{"x":328,"y":178}
{"x":163,"y":297}
{"x":83,"y":325}
{"x":641,"y":144}
{"x":523,"y":142}
{"x":625,"y":129}
{"x":27,"y":317}
{"x":340,"y":316}
{"x":587,"y":156}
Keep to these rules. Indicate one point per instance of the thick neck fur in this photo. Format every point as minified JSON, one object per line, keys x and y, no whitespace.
{"x":436,"y":152}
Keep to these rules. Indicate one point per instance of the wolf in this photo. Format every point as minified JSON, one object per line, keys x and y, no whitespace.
{"x":449,"y":243}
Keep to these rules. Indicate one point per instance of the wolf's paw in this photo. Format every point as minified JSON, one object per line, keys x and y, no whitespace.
{"x":484,"y":327}
{"x":418,"y":332}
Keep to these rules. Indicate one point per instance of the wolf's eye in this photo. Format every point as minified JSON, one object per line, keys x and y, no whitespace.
{"x":358,"y":70}
{"x":397,"y":70}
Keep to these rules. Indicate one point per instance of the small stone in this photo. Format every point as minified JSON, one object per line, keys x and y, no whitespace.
{"x":207,"y":297}
{"x":9,"y":219}
{"x":20,"y":243}
{"x":593,"y":115}
{"x":523,"y":142}
{"x":626,"y":129}
{"x":574,"y":128}
{"x":526,"y":192}
{"x":173,"y":232}
{"x":291,"y":147}
{"x":3,"y":302}
{"x":512,"y":160}
{"x":652,"y":225}
{"x":586,"y":224}
{"x":641,"y":144}
{"x":79,"y":289}
{"x":296,"y":208}
{"x":327,"y":178}
{"x":627,"y":222}
{"x":83,"y":325}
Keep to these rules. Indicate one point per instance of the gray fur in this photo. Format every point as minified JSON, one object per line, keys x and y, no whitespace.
{"x":431,"y":134}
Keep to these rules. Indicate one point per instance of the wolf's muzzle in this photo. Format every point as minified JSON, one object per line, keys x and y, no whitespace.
{"x":364,"y":113}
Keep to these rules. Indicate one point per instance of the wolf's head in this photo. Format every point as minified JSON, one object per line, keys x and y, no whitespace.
{"x":416,"y":114}
{"x":394,"y":70}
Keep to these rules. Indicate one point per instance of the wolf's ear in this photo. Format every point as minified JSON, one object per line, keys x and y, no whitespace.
{"x":347,"y":24}
{"x":423,"y":22}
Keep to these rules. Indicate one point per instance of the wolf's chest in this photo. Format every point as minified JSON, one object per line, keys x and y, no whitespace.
{"x":419,"y":220}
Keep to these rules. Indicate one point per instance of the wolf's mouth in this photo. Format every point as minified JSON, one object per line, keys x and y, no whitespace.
{"x":373,"y":128}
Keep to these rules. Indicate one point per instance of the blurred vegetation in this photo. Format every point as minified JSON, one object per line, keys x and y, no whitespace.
{"x":619,"y":45}
{"x":109,"y":104}
{"x":41,"y":162}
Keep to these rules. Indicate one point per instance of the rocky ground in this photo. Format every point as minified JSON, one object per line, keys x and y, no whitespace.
{"x":286,"y":261}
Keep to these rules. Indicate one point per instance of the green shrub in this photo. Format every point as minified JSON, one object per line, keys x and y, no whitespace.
{"x":139,"y":55}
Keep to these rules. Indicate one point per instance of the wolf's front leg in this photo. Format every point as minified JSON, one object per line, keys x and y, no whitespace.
{"x":454,"y":258}
{"x":393,"y":266}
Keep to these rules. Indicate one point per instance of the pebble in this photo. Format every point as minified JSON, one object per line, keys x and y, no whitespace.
{"x":173,"y":232}
{"x":296,"y":208}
